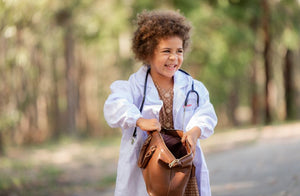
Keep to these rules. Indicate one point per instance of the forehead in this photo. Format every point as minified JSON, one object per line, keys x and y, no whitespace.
{"x":173,"y":41}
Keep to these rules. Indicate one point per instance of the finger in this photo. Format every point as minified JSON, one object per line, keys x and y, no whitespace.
{"x":183,"y":139}
{"x":192,"y":144}
{"x":193,"y":150}
{"x":159,"y":127}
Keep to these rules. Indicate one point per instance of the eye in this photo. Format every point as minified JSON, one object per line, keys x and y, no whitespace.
{"x":180,"y":51}
{"x":166,"y":51}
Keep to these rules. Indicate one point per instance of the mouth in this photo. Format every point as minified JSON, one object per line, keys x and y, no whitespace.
{"x":171,"y":67}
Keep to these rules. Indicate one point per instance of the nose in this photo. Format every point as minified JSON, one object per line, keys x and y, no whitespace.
{"x":172,"y":56}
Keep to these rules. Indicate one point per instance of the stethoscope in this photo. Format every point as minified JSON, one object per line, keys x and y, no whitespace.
{"x":185,"y":101}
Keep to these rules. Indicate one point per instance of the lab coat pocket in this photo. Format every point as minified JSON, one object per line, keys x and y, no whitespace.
{"x":191,"y":105}
{"x":189,"y":110}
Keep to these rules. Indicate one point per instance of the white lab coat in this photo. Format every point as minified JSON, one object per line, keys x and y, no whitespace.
{"x":121,"y":109}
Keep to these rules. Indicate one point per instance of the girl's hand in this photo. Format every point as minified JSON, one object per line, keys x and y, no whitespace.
{"x":192,"y":136}
{"x":148,"y":124}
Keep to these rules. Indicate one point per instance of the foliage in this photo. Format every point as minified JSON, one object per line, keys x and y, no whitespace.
{"x":39,"y":38}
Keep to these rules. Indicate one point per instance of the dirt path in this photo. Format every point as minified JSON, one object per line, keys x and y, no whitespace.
{"x":260,"y":161}
{"x":250,"y":162}
{"x":268,"y":167}
{"x":74,"y":168}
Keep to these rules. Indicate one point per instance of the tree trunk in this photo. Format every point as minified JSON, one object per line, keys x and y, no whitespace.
{"x":267,"y":57}
{"x":288,"y":84}
{"x":233,"y":104}
{"x":1,"y":144}
{"x":55,"y":121}
{"x":254,"y":95}
{"x":255,"y":100}
{"x":70,"y":81}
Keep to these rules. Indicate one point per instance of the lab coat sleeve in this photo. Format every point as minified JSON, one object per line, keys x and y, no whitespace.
{"x":119,"y":108}
{"x":204,"y":117}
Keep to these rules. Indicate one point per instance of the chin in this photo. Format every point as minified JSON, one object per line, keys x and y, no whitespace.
{"x":170,"y":74}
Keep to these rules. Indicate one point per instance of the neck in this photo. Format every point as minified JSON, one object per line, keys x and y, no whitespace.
{"x":163,"y":82}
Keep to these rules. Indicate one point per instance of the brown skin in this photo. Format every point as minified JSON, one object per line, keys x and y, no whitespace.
{"x":192,"y":136}
{"x":167,"y":59}
{"x":153,"y":125}
{"x":148,"y":45}
{"x":152,"y":26}
{"x":148,"y":124}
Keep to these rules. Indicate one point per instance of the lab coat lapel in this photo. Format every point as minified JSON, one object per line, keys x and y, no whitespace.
{"x":152,"y":96}
{"x":181,"y":82}
{"x":153,"y":103}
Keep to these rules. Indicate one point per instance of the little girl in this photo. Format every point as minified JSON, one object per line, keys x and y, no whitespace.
{"x":174,"y":100}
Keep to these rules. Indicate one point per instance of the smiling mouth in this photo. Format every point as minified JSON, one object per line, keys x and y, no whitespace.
{"x":171,"y":67}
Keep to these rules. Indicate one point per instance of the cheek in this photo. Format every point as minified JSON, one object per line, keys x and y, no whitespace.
{"x":163,"y":60}
{"x":180,"y":59}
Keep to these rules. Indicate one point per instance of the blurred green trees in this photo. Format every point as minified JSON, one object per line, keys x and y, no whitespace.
{"x":58,"y":59}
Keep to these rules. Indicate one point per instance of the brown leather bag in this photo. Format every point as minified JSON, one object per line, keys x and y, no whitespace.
{"x":166,"y":163}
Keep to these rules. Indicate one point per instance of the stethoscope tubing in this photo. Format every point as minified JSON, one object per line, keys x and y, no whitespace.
{"x":185,"y":101}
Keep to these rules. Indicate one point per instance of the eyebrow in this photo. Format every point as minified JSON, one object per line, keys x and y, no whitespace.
{"x":169,"y":48}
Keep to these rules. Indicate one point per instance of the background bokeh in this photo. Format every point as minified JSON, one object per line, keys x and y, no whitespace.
{"x":58,"y":59}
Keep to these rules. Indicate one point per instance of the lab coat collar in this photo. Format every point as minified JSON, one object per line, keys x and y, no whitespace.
{"x":152,"y":96}
{"x":182,"y":83}
{"x":181,"y":79}
{"x":141,"y":75}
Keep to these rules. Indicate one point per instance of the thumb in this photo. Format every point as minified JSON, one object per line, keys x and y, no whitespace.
{"x":183,"y":139}
{"x":191,"y":143}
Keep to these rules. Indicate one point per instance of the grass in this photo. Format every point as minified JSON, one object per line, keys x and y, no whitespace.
{"x":50,"y":173}
{"x":13,"y":173}
{"x":23,"y":176}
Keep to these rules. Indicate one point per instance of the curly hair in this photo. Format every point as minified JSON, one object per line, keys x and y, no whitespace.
{"x":152,"y":26}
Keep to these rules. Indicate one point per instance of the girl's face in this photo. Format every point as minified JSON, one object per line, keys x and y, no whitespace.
{"x":167,"y":58}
